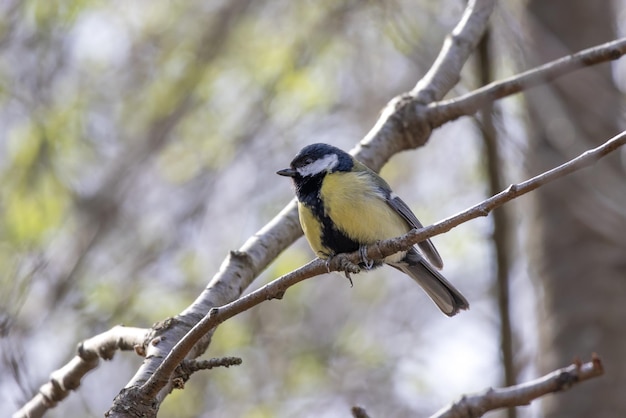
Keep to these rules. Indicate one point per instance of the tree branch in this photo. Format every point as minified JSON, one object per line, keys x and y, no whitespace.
{"x":445,"y":72}
{"x":188,"y":367}
{"x":559,"y":380}
{"x":468,"y":104}
{"x":502,"y":225}
{"x":403,"y":123}
{"x":89,"y":352}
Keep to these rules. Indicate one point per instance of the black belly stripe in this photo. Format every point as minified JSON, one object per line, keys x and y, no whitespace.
{"x":336,"y":240}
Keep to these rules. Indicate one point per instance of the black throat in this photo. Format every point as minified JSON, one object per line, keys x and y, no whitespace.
{"x":308,"y":192}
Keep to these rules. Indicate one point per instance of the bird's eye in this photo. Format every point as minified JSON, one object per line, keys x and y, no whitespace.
{"x":308,"y":160}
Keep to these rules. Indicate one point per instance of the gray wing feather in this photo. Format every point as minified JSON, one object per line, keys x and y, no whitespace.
{"x":426,"y":246}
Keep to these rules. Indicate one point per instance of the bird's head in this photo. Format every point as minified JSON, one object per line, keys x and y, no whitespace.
{"x":317,"y":160}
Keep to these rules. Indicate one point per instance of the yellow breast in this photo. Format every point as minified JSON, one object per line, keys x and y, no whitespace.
{"x":355,"y":205}
{"x":312,"y":230}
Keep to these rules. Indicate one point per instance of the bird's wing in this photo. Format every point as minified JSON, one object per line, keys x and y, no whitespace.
{"x":426,"y":246}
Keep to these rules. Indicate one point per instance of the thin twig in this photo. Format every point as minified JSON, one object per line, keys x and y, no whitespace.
{"x":585,"y":159}
{"x":188,"y":367}
{"x":559,"y":380}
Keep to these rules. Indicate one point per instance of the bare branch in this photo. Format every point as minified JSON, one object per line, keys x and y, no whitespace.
{"x":272,"y":290}
{"x":457,"y":48}
{"x":89,"y":352}
{"x":468,"y":104}
{"x":559,"y":380}
{"x":402,"y":123}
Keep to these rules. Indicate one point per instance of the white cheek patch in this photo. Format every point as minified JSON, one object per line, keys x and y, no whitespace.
{"x":326,"y":163}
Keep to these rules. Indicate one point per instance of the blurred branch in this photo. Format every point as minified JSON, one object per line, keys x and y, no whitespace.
{"x":559,"y":380}
{"x":277,"y":288}
{"x":359,"y":412}
{"x":502,"y":230}
{"x":89,"y":352}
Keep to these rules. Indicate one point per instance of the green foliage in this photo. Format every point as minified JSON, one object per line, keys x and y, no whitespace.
{"x":33,"y":199}
{"x":45,"y":14}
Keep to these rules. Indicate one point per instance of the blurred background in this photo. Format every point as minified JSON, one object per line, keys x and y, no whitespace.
{"x":139,"y":143}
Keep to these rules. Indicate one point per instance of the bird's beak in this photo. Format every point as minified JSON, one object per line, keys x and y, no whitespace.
{"x":287,"y":172}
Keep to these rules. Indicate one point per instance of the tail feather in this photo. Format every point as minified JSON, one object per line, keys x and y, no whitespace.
{"x":440,"y":290}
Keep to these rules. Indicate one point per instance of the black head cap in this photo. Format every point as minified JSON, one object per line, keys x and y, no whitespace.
{"x":334,"y":160}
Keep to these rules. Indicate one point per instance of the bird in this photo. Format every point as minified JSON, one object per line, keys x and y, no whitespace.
{"x":344,"y":206}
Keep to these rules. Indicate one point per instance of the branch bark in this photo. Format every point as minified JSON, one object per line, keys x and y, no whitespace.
{"x":89,"y":352}
{"x":559,"y":380}
{"x":470,"y":103}
{"x":404,"y":123}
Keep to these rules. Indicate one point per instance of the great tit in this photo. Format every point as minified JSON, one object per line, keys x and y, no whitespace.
{"x":344,"y":206}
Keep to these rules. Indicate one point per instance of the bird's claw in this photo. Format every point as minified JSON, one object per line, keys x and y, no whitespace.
{"x":367,"y":263}
{"x":349,"y":278}
{"x":347,"y":266}
{"x":344,"y":264}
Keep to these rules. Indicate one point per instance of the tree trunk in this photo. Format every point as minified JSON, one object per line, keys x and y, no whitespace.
{"x":578,"y":238}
